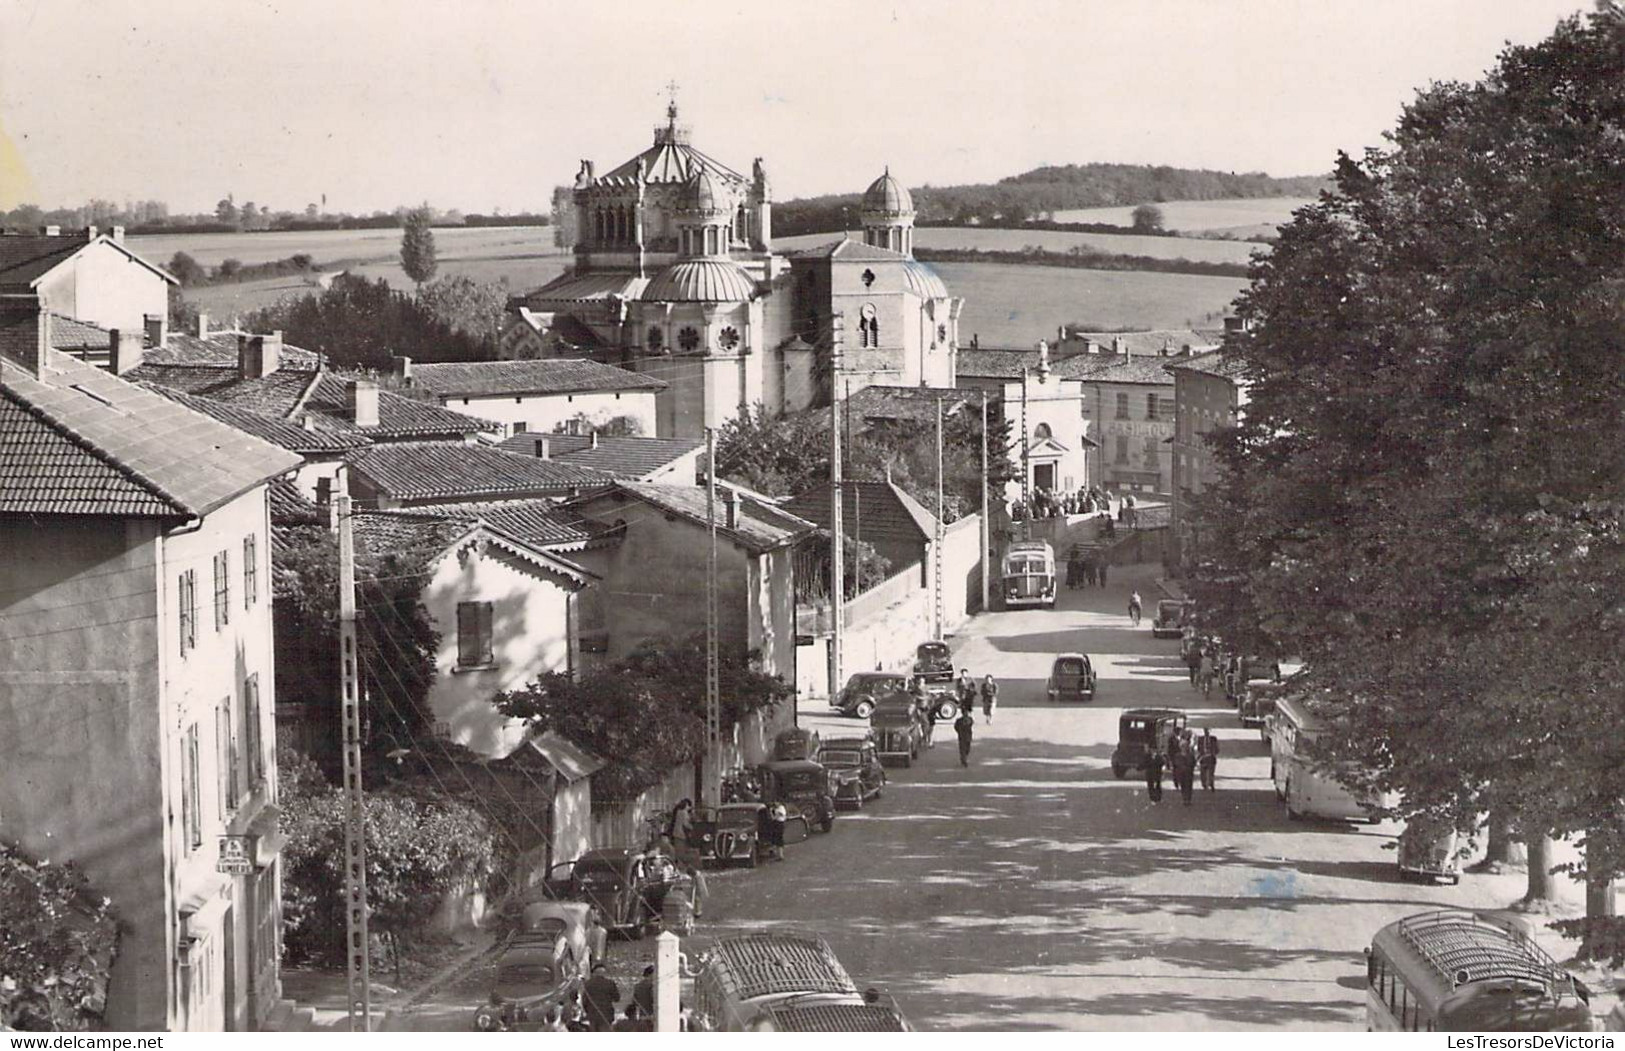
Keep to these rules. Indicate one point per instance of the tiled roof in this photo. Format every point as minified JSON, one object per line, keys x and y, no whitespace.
{"x":449,"y":470}
{"x":541,"y":523}
{"x":393,"y":531}
{"x":545,"y":376}
{"x":884,"y":511}
{"x":273,"y":429}
{"x":182,"y":348}
{"x":564,"y":757}
{"x":760,"y":526}
{"x":1214,"y":363}
{"x":620,"y":457}
{"x":1106,"y":368}
{"x":78,"y":440}
{"x":71,"y":334}
{"x":27,"y":258}
{"x":578,"y":288}
{"x":288,"y":392}
{"x":289,"y":506}
{"x":848,"y":250}
{"x":1150,"y":342}
{"x":996,"y":364}
{"x":915,"y":404}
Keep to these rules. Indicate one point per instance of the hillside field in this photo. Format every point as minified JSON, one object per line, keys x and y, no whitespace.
{"x":995,"y":240}
{"x":1238,"y":217}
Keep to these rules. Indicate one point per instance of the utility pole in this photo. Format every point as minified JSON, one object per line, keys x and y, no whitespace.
{"x":1026,"y":464}
{"x":837,"y":561}
{"x":986,"y":554}
{"x":710,"y":779}
{"x":937,"y":543}
{"x":358,"y":950}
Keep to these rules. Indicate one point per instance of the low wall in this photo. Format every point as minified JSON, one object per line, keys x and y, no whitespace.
{"x":962,"y":567}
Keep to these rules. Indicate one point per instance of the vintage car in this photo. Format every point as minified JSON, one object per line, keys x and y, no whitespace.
{"x":727,"y":834}
{"x":1170,"y":620}
{"x":855,"y":764}
{"x":1258,"y":699}
{"x":535,"y":974}
{"x":898,"y":727}
{"x":1071,"y":678}
{"x":625,"y":887}
{"x":1140,"y":731}
{"x":865,"y":688}
{"x":803,"y":786}
{"x":1430,"y":849}
{"x":797,"y":742}
{"x":570,"y":920}
{"x":933,"y":663}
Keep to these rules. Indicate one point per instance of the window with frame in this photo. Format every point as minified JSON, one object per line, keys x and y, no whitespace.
{"x":689,"y":338}
{"x":253,"y":765}
{"x":1151,"y":406}
{"x":1122,"y":404}
{"x":474,"y":634}
{"x":251,"y":571}
{"x":191,"y":818}
{"x":186,"y":599}
{"x":225,"y":738}
{"x":1122,"y":449}
{"x":222,"y":590}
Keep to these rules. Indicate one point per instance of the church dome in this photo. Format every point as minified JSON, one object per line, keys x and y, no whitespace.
{"x":700,"y":193}
{"x":701,"y":281}
{"x":923,"y":281}
{"x":888,"y":196}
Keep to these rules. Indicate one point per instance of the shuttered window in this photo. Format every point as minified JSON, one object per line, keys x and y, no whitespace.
{"x":186,"y":599}
{"x":191,"y":819}
{"x":251,"y":571}
{"x":253,"y":764}
{"x":222,"y":590}
{"x":473,"y":634}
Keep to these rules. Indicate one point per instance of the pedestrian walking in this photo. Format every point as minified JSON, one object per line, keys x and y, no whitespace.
{"x":1207,"y":754}
{"x":1153,"y":776}
{"x":643,"y":993}
{"x":771,"y":831}
{"x":964,"y":727}
{"x":1193,"y":661}
{"x":701,"y":891}
{"x":1204,"y":671}
{"x":603,"y":994}
{"x":680,"y":826}
{"x":1185,"y":771}
{"x":990,"y":697}
{"x":965,"y":690}
{"x":930,"y":723}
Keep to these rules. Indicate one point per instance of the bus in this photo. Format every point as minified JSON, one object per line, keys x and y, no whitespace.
{"x":779,"y":981}
{"x":1029,"y":574}
{"x":1310,"y":788}
{"x":1454,"y":971}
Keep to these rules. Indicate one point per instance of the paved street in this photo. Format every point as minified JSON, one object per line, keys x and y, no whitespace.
{"x":1035,"y":891}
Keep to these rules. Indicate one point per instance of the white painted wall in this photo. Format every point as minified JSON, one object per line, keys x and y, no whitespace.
{"x":544,"y":412}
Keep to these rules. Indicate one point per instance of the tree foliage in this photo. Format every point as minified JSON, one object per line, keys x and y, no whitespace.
{"x":1424,"y":497}
{"x":57,"y":943}
{"x":1147,"y":219}
{"x":361,"y":323}
{"x":474,"y":308}
{"x":417,"y":246}
{"x":419,"y":849}
{"x":646,"y":713}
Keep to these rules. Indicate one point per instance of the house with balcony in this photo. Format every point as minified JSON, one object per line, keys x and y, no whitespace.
{"x":136,"y":678}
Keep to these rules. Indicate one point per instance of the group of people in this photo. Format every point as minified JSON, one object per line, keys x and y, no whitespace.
{"x":1083,"y":570}
{"x":1186,"y":758}
{"x":967,"y":692}
{"x":1047,"y":503}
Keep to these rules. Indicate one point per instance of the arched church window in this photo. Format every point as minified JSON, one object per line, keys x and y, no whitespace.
{"x":729,"y":338}
{"x":688,"y":338}
{"x":868,"y":326}
{"x":598,"y":224}
{"x":655,"y":338}
{"x":1041,"y":432}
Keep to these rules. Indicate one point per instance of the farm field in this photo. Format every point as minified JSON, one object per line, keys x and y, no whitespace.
{"x":1235,"y":217}
{"x":1011,"y":305}
{"x":995,"y":240}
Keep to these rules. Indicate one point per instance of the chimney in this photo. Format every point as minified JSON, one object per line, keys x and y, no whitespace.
{"x":258,"y":356}
{"x":123,"y":351}
{"x":325,"y":501}
{"x":593,"y":438}
{"x":544,"y":448}
{"x":403,"y":367}
{"x":1119,"y":348}
{"x":202,"y":326}
{"x":364,"y":403}
{"x":118,"y":234}
{"x":1090,"y":346}
{"x":1185,"y":351}
{"x":157,"y":329}
{"x":50,"y":231}
{"x":25,"y":331}
{"x":91,"y":233}
{"x":730,"y":508}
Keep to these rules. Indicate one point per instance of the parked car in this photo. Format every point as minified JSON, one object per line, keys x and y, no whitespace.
{"x":1258,"y":699}
{"x":1140,"y":731}
{"x":1071,"y":678}
{"x":1429,"y":848}
{"x":535,"y":975}
{"x":898,"y":727}
{"x":803,"y":786}
{"x":1170,"y":620}
{"x":797,"y":742}
{"x":867,"y":687}
{"x":570,"y":920}
{"x":933,"y":663}
{"x":855,"y":764}
{"x":625,"y":887}
{"x":727,"y":834}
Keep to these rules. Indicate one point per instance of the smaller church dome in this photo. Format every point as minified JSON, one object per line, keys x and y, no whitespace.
{"x":701,"y":281}
{"x":923,"y":281}
{"x":888,"y":196}
{"x":700,"y":194}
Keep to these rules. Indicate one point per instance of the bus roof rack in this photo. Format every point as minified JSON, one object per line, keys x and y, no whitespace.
{"x":1466,"y":947}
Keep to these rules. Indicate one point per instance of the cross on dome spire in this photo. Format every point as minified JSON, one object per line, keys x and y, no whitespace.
{"x":671,"y":106}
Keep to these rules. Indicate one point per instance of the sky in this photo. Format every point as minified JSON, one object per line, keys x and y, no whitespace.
{"x":485,"y":104}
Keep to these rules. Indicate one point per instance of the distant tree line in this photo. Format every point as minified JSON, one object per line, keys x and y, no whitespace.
{"x":1081,"y":258}
{"x":1041,"y":192}
{"x":153,"y":217}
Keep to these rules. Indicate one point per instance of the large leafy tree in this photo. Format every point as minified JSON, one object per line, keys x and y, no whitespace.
{"x":1423,"y":498}
{"x":57,"y":943}
{"x":417,"y":246}
{"x":361,"y":323}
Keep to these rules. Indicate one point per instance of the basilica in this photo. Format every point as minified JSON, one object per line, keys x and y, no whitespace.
{"x":676,"y":277}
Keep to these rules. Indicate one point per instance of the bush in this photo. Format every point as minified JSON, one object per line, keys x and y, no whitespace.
{"x":57,"y":944}
{"x":229,"y":268}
